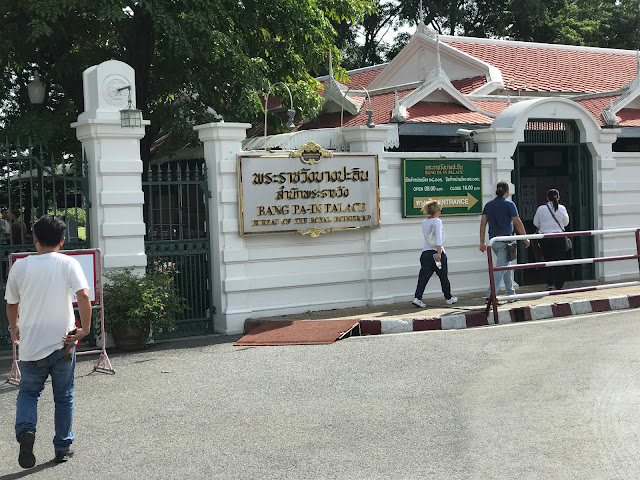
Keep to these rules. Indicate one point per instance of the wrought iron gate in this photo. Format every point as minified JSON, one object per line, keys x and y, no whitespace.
{"x":177,"y":230}
{"x":32,"y":185}
{"x":562,"y":136}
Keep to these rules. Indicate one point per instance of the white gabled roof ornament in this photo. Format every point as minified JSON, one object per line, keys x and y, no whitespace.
{"x":437,"y":81}
{"x":405,"y":68}
{"x":399,"y":112}
{"x":330,"y":65}
{"x":421,"y":27}
{"x":631,"y":95}
{"x":609,"y":117}
{"x":335,"y":92}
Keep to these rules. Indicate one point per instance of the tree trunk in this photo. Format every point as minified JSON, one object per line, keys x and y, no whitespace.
{"x":138,"y":39}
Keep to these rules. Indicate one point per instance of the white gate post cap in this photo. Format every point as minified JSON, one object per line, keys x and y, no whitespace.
{"x":222,"y":131}
{"x":102,"y":98}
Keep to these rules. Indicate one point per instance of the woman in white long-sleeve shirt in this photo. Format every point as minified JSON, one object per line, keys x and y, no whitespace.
{"x":552,"y":218}
{"x":431,"y":254}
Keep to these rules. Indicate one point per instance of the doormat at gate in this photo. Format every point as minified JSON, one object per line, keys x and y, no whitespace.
{"x":300,"y":332}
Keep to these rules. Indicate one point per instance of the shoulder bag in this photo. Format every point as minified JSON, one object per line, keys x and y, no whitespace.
{"x":567,"y":240}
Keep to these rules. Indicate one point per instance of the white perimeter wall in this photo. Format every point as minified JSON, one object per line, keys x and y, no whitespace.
{"x":275,"y":274}
{"x":619,"y":207}
{"x":267,"y":275}
{"x":284,"y":273}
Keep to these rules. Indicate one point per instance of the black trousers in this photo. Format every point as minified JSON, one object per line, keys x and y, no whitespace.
{"x":428,"y":267}
{"x":554,"y":249}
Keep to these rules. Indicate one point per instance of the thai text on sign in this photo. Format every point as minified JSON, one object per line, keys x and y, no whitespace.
{"x":282,"y":193}
{"x":456,"y":183}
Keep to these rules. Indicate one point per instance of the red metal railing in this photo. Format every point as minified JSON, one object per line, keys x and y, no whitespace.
{"x":493,"y":299}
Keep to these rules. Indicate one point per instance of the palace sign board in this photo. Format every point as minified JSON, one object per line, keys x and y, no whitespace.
{"x":456,"y":183}
{"x":310,"y":191}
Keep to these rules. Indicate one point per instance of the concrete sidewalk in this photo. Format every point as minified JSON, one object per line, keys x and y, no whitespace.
{"x":470,"y":310}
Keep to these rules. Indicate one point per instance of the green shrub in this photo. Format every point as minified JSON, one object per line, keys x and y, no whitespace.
{"x":151,"y":300}
{"x":73,"y":214}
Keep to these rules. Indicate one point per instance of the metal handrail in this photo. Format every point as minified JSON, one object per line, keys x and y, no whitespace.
{"x":493,"y":299}
{"x":537,"y":236}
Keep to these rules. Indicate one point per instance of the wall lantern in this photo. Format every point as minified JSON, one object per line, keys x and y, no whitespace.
{"x":368,"y":111}
{"x":291,"y":112}
{"x":130,"y":117}
{"x":36,"y":90}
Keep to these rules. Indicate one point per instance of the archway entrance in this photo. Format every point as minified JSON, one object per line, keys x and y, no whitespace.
{"x":551,"y":156}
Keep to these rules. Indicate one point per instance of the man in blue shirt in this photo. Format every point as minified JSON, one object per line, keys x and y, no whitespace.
{"x":502,"y":216}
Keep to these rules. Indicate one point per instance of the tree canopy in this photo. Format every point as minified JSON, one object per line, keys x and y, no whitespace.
{"x":596,"y":23}
{"x":191,"y":56}
{"x":188,"y":55}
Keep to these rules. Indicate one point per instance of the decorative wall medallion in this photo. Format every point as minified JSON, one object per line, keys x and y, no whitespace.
{"x":110,"y":92}
{"x":314,"y":232}
{"x":311,"y":153}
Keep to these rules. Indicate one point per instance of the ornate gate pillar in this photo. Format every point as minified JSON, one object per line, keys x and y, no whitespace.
{"x":115,"y":168}
{"x":222,"y":143}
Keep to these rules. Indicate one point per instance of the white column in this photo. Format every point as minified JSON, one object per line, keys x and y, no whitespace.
{"x":362,"y":139}
{"x":115,"y":168}
{"x":606,"y":194}
{"x":365,"y":139}
{"x":222,"y":143}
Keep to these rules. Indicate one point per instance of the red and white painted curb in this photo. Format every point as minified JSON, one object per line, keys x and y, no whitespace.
{"x":517,"y":314}
{"x":478,"y":318}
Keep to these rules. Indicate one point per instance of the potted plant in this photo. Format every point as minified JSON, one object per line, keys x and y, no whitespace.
{"x":137,"y":306}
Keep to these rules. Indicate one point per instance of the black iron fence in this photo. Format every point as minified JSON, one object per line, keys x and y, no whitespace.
{"x":33,"y":184}
{"x":177,"y":230}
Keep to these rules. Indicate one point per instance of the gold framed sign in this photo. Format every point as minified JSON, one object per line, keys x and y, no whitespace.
{"x":310,"y":191}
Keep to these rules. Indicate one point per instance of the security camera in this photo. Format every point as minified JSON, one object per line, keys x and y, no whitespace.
{"x":464,"y":133}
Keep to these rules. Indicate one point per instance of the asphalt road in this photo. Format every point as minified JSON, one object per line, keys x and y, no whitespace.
{"x":555,"y":399}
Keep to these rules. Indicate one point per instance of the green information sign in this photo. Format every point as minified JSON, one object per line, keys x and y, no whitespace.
{"x":456,"y":183}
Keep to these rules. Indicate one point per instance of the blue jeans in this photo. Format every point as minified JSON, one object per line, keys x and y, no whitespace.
{"x":500,"y":251}
{"x":34,"y":374}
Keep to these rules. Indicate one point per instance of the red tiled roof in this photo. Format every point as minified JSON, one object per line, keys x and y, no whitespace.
{"x":358,"y":79}
{"x":464,"y":85}
{"x":382,"y":105}
{"x":468,"y":85}
{"x":596,"y":105}
{"x":629,"y":117}
{"x":541,"y":69}
{"x":424,"y":112}
{"x":363,"y":79}
{"x":491,"y":107}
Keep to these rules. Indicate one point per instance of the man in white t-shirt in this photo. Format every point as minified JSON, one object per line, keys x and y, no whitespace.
{"x":39,"y":288}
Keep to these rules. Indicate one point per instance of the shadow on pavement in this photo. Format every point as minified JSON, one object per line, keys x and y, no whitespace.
{"x":28,"y":471}
{"x":114,"y":353}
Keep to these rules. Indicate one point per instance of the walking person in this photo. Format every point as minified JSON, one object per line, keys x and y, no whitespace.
{"x":18,"y":229}
{"x":552,"y":218}
{"x":502,"y":216}
{"x":5,"y":226}
{"x":42,"y":324}
{"x":433,"y":257}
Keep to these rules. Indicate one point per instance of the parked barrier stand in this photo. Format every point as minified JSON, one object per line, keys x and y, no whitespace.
{"x":493,"y":299}
{"x":92,"y":272}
